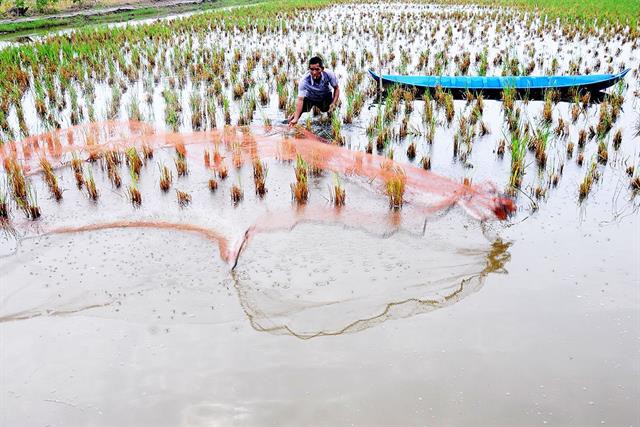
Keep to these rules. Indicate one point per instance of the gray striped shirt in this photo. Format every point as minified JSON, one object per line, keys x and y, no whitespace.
{"x":317,"y":91}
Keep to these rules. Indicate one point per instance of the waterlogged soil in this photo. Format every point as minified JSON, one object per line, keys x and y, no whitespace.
{"x":266,"y":312}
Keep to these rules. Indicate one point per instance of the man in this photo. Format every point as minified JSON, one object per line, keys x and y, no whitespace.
{"x":315,"y":90}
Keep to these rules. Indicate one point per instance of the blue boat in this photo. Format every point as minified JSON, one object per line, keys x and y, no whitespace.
{"x":533,"y":86}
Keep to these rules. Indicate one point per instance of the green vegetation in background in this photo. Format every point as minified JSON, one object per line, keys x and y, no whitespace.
{"x":604,"y":11}
{"x":584,"y":11}
{"x":41,"y":25}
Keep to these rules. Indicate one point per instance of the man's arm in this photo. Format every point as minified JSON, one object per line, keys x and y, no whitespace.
{"x":293,"y":120}
{"x":336,"y":98}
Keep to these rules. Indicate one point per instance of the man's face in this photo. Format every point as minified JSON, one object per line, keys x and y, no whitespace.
{"x":315,"y":70}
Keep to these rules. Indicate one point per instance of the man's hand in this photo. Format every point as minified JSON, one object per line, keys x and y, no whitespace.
{"x":292,"y":120}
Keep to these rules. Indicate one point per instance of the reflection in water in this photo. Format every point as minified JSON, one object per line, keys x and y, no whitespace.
{"x":306,"y":300}
{"x":283,"y":285}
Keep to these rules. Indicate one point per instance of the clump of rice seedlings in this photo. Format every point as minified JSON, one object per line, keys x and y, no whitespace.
{"x":4,"y":205}
{"x":213,"y":184}
{"x":395,"y":186}
{"x":518,"y":152}
{"x":315,"y":167}
{"x":113,"y":159}
{"x":338,"y":194}
{"x":76,"y":165}
{"x":147,"y":151}
{"x":166,"y":178}
{"x":570,"y":149}
{"x":114,"y":103}
{"x":236,"y":193}
{"x":603,"y":153}
{"x":300,"y":190}
{"x":411,"y":151}
{"x":211,"y":113}
{"x":133,"y":160}
{"x":425,"y":162}
{"x":133,"y":192}
{"x":226,"y":111}
{"x":90,"y":186}
{"x":238,"y":90}
{"x":540,"y":142}
{"x":223,"y":171}
{"x":590,"y":177}
{"x":184,"y":198}
{"x":634,"y":184}
{"x":562,"y":129}
{"x":207,"y":158}
{"x":586,"y":100}
{"x":172,"y":109}
{"x":605,"y":120}
{"x":582,"y":138}
{"x":501,"y":147}
{"x":336,"y":129}
{"x":283,"y":96}
{"x":508,"y":99}
{"x":484,"y":129}
{"x":263,"y":95}
{"x":617,"y":139}
{"x":449,"y":109}
{"x":133,"y":110}
{"x":539,"y":192}
{"x":547,"y":110}
{"x":50,"y":178}
{"x":259,"y":177}
{"x":182,"y":168}
{"x":197,"y":113}
{"x":404,"y":128}
{"x":575,"y":112}
{"x":31,"y":208}
{"x":17,"y":181}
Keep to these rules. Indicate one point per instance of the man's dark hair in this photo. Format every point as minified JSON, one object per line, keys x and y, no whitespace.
{"x":316,"y":60}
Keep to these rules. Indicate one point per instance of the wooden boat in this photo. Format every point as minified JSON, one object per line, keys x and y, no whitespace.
{"x":492,"y":87}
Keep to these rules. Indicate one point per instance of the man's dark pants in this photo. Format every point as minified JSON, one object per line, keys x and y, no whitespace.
{"x":322,"y":104}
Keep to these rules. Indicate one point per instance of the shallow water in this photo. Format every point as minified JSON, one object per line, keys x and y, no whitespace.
{"x":115,"y":315}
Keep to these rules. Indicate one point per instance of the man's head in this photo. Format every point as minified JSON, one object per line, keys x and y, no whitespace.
{"x":315,"y":67}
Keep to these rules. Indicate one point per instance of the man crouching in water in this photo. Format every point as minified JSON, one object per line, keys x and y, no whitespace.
{"x":315,"y":90}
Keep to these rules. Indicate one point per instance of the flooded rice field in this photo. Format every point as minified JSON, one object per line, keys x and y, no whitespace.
{"x":172,"y":254}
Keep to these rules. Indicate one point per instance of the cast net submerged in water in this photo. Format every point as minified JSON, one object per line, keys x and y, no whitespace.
{"x":306,"y":269}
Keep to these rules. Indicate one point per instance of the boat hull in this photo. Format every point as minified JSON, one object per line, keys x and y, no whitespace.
{"x":492,"y":87}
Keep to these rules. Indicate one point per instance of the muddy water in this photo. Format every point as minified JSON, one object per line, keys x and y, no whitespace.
{"x":357,"y":316}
